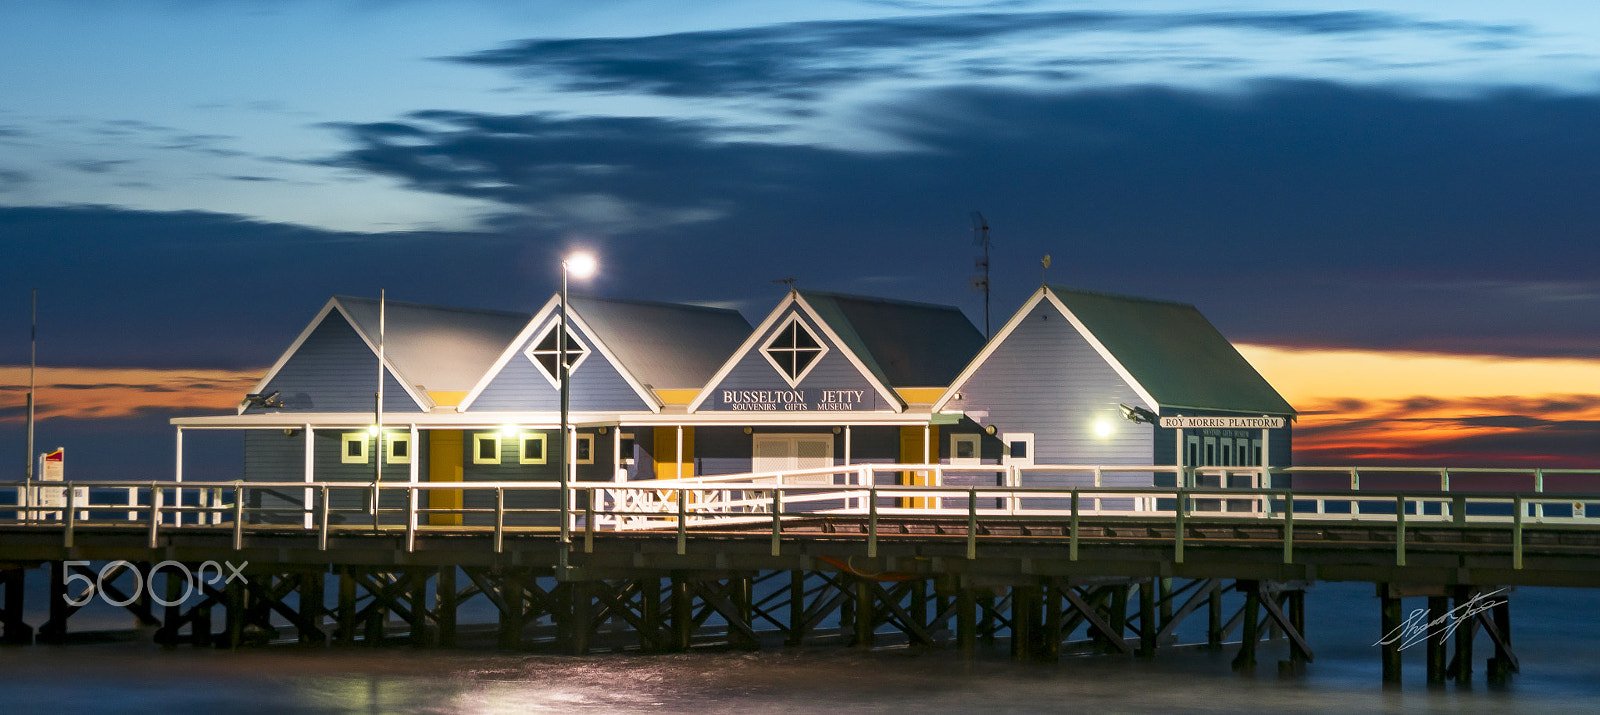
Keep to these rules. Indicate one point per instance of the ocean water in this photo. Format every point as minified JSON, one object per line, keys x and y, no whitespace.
{"x":1555,"y":632}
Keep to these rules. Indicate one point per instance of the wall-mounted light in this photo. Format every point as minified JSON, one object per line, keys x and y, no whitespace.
{"x":1136,"y":414}
{"x":990,"y":429}
{"x":602,"y":429}
{"x":510,"y":430}
{"x":372,"y":430}
{"x":749,"y":430}
{"x":1102,"y":428}
{"x":836,"y":430}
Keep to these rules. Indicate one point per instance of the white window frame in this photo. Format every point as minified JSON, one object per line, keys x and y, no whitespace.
{"x":627,"y":459}
{"x":389,"y":442}
{"x":773,"y":337}
{"x":544,"y":448}
{"x":477,"y":439}
{"x":344,"y":447}
{"x":977,"y":450}
{"x":579,"y":438}
{"x":575,"y":346}
{"x":1026,"y":437}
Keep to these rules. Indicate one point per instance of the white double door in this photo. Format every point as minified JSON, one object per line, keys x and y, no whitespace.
{"x":789,"y":452}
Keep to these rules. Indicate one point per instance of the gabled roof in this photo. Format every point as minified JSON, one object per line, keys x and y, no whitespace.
{"x":441,"y":349}
{"x":1167,"y":352}
{"x":663,"y":345}
{"x":666,"y":346}
{"x":1177,"y":355}
{"x":427,"y":348}
{"x":893,"y":343}
{"x":904,"y":344}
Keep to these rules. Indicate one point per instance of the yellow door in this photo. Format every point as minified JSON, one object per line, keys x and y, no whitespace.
{"x":668,"y":464}
{"x":444,"y":465}
{"x":918,"y":446}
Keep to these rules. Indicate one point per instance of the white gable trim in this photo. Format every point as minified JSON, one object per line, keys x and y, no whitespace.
{"x":424,"y":402}
{"x":760,"y":333}
{"x":1105,"y":354}
{"x":316,"y":322}
{"x":511,"y":350}
{"x":888,"y":395}
{"x":601,"y":347}
{"x":284,"y":358}
{"x":535,"y":327}
{"x":1016,"y":321}
{"x":988,"y":349}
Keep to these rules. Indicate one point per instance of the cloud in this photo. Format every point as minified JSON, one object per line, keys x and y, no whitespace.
{"x":120,"y":393}
{"x":1298,"y":213}
{"x":103,"y":166}
{"x":797,"y":60}
{"x":11,"y":180}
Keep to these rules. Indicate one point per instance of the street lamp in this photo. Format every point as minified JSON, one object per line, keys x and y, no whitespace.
{"x":578,"y":265}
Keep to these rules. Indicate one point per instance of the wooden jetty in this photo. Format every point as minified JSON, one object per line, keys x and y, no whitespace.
{"x":753,"y":560}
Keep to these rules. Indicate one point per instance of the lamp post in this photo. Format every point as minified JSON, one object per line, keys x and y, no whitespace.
{"x":580,"y":265}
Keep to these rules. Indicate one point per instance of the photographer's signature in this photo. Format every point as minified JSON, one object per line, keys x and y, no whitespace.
{"x":1417,"y":627}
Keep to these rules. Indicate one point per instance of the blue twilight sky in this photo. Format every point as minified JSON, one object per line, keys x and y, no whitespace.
{"x":188,"y":180}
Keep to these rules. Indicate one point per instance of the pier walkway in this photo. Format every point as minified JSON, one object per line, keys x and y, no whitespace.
{"x":1052,"y":558}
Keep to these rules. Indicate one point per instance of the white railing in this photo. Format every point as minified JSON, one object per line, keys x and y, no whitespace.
{"x":1064,"y":493}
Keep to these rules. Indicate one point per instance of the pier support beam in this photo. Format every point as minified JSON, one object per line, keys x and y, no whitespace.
{"x":1024,"y":622}
{"x":1214,"y":622}
{"x":312,"y":588}
{"x":1147,"y":618}
{"x":233,"y":605}
{"x":1461,"y":665}
{"x":797,"y":608}
{"x":345,"y":613}
{"x":513,"y":596}
{"x":1438,"y":613}
{"x":682,"y":612}
{"x":865,"y":618}
{"x":1245,"y":661}
{"x":1392,"y":615}
{"x":16,"y":631}
{"x":966,"y":622}
{"x":1504,"y":662}
{"x":445,"y":600}
{"x":1054,"y":615}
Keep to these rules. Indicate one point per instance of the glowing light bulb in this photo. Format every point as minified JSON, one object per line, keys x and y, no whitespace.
{"x":581,"y":265}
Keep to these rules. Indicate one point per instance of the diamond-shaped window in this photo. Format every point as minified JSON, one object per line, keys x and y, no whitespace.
{"x":793,"y":350}
{"x":546,"y":352}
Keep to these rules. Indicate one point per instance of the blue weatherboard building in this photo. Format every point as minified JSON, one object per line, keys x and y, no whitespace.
{"x":664,"y":391}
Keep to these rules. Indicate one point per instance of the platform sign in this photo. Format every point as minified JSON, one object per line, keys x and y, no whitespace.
{"x":1222,"y":422}
{"x":52,"y":468}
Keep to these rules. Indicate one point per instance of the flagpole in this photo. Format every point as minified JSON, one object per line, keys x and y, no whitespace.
{"x":377,"y":441}
{"x":33,"y":361}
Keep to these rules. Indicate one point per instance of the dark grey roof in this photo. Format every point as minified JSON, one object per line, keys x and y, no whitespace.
{"x":439,"y":348}
{"x":1173,"y":352}
{"x":667,"y":346}
{"x":905,"y":344}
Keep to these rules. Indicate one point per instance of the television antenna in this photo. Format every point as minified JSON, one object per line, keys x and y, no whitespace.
{"x":980,"y":237}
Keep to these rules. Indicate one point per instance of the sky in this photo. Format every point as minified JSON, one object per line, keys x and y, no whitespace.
{"x":1390,"y":207}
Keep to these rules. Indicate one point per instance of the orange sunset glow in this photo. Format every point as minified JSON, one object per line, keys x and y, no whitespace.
{"x":115,"y":393}
{"x":1470,"y":410}
{"x":1369,"y":407}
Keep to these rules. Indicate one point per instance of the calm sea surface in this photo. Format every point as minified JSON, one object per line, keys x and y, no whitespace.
{"x":1556,"y":632}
